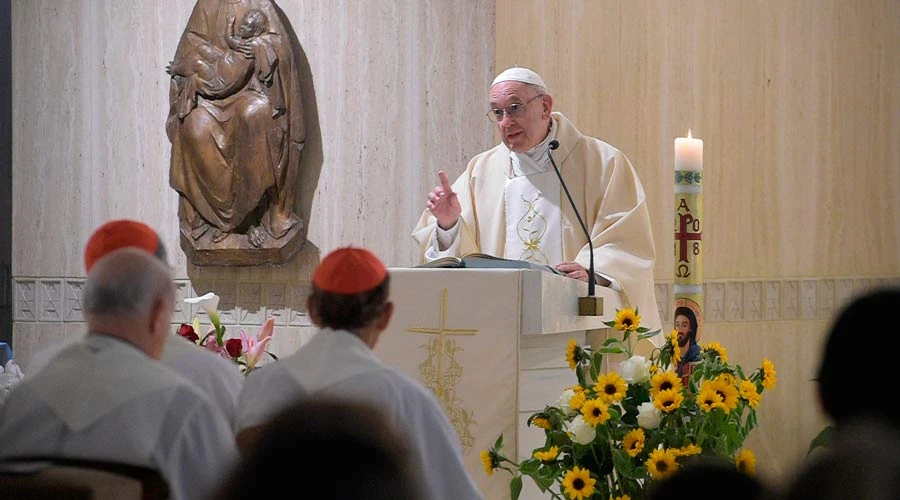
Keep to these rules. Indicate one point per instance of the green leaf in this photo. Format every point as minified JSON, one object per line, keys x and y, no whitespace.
{"x":515,"y":487}
{"x":611,"y":341}
{"x":611,"y":350}
{"x":822,"y":440}
{"x":498,"y":443}
{"x":529,"y":466}
{"x":622,"y":461}
{"x":648,"y":335}
{"x":544,"y":483}
{"x":597,"y":360}
{"x":579,"y":373}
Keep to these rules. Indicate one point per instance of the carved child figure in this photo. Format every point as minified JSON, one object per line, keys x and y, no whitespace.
{"x":215,"y":73}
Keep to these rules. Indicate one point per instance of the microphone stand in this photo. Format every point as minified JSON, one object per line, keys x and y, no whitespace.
{"x":590,"y":305}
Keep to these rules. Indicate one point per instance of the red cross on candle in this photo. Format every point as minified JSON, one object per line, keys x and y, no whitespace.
{"x":683,"y":236}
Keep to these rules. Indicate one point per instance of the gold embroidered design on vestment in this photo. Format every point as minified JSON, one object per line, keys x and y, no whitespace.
{"x":530,"y":229}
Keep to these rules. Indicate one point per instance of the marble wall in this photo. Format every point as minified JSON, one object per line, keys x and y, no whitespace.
{"x":393,"y":91}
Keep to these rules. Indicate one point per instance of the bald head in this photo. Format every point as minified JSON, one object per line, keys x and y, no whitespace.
{"x":129,"y":293}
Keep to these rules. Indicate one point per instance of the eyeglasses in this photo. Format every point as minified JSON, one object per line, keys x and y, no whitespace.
{"x":515,"y":110}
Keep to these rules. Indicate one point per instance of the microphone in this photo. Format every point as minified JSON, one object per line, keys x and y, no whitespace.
{"x":587,"y":306}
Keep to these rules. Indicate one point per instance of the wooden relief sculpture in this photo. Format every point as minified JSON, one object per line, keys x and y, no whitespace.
{"x":236,"y":127}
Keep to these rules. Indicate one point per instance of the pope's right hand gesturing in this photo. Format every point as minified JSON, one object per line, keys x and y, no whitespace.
{"x":443,"y":203}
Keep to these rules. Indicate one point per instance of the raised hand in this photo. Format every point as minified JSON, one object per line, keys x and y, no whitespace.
{"x":443,"y":203}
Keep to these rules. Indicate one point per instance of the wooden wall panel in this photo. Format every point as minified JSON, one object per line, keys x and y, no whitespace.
{"x":798,"y":104}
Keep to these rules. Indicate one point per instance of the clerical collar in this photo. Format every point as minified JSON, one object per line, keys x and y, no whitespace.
{"x":535,"y":160}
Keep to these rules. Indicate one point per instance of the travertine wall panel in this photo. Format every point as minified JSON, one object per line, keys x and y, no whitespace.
{"x":387,"y":87}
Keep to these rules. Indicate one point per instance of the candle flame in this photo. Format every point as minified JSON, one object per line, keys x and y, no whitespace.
{"x":689,"y":133}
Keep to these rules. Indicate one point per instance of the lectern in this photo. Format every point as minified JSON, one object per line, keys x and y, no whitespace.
{"x":490,"y":344}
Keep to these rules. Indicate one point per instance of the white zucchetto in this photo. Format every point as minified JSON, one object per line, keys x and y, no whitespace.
{"x":524,"y":75}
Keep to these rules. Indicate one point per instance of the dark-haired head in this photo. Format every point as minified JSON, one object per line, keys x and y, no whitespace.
{"x":351,"y":312}
{"x":688,"y":313}
{"x":350,"y":449}
{"x":868,"y":320}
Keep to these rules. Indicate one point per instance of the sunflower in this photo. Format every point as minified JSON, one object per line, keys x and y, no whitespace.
{"x":547,"y":456}
{"x":676,"y":350}
{"x":595,"y":412}
{"x":489,"y":462}
{"x":633,"y":442}
{"x":708,"y":399}
{"x":745,"y":462}
{"x":623,"y":497}
{"x":725,"y":389}
{"x":664,"y":381}
{"x":572,"y":354}
{"x":610,"y":387}
{"x":749,"y":394}
{"x":661,"y":464}
{"x":715,"y":346}
{"x":727,"y":378}
{"x":577,"y":401}
{"x":578,"y":483}
{"x":687,"y":451}
{"x":627,"y":319}
{"x":541,"y":422}
{"x":768,"y":370}
{"x":668,"y":401}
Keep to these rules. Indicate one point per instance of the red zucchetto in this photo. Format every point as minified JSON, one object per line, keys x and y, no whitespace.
{"x":348,"y":271}
{"x":118,"y":234}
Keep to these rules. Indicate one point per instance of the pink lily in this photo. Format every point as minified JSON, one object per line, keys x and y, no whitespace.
{"x":255,"y":348}
{"x":212,"y":345}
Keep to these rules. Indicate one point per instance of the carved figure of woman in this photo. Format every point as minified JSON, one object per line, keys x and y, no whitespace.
{"x":235,"y":122}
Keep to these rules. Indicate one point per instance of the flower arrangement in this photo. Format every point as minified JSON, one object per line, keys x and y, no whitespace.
{"x":10,"y":375}
{"x":245,"y":350}
{"x":612,"y":434}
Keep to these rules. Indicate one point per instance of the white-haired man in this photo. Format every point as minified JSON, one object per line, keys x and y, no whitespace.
{"x":509,"y":201}
{"x":108,"y":398}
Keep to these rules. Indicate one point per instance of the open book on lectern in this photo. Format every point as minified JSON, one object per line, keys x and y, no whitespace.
{"x":485,"y":261}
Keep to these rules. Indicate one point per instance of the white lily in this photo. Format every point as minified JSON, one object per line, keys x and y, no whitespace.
{"x":210,"y":303}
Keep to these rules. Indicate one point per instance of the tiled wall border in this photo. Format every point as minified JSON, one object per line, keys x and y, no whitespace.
{"x":57,"y":300}
{"x":773,"y":300}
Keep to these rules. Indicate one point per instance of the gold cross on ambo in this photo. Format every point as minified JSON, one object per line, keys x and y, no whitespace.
{"x":442,"y":331}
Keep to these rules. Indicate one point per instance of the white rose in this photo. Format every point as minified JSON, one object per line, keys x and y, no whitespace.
{"x":13,"y":370}
{"x":648,"y":416}
{"x":636,"y":370}
{"x":563,"y":403}
{"x":581,"y":431}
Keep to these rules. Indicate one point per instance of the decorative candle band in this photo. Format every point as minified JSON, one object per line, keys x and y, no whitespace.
{"x":688,"y":289}
{"x":688,"y":229}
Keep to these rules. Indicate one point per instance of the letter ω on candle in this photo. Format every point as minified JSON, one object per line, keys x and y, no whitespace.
{"x":688,"y":153}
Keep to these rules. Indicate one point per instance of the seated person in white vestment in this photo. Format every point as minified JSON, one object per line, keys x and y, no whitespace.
{"x":357,"y":454}
{"x":349,"y":303}
{"x":108,"y":398}
{"x":509,"y":202}
{"x":220,"y":379}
